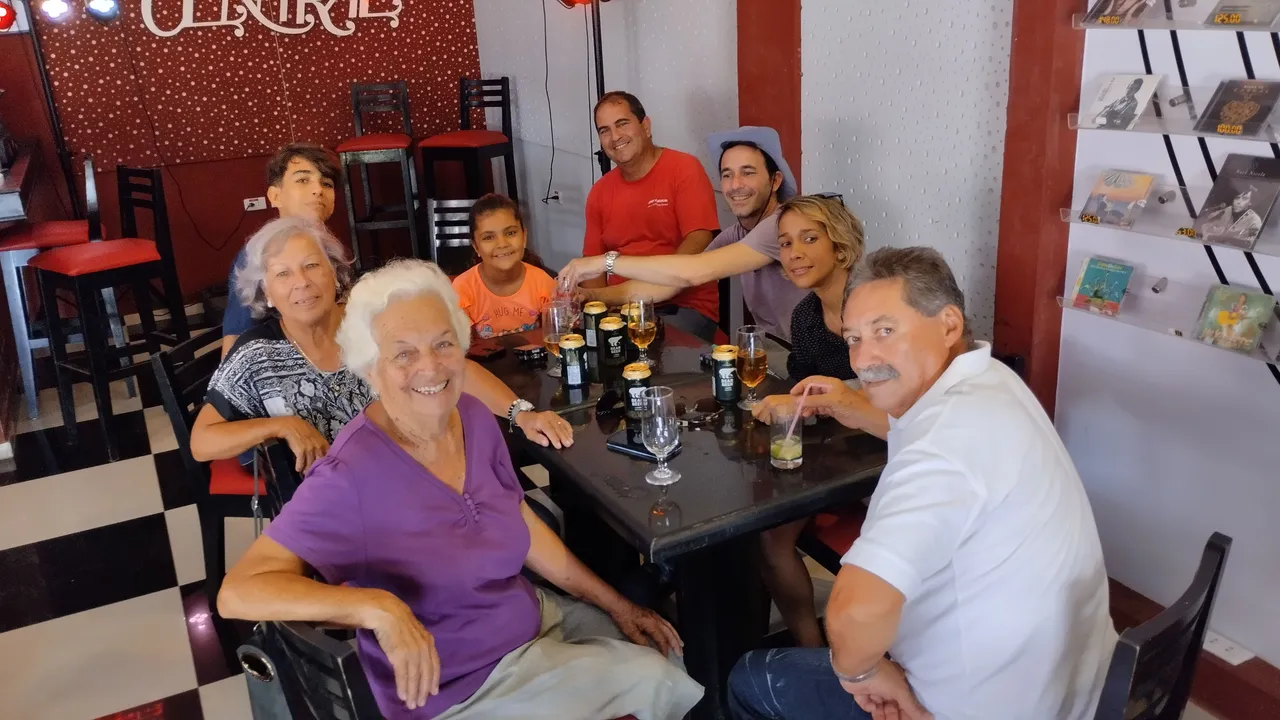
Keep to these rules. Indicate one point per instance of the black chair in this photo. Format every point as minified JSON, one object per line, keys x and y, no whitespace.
{"x":90,"y":268}
{"x":223,"y":487}
{"x":472,"y":147}
{"x":1154,"y":663}
{"x":299,"y":672}
{"x":448,"y":225}
{"x":367,"y":148}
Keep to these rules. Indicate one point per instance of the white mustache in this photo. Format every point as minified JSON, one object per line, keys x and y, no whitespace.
{"x":877,"y":373}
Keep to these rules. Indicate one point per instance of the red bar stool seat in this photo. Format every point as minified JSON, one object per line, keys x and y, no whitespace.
{"x":471,"y":146}
{"x":77,"y":260}
{"x":44,"y":235}
{"x":465,"y":139}
{"x":830,"y":535}
{"x":90,"y":269}
{"x":368,"y":148}
{"x":374,"y":142}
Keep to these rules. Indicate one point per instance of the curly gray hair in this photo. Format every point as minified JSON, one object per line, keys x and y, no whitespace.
{"x":397,"y":279}
{"x":251,"y":273}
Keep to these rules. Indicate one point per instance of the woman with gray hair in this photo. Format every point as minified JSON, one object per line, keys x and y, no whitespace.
{"x":285,"y":379}
{"x":417,"y":523}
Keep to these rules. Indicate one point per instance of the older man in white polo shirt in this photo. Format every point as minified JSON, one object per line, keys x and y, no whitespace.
{"x":979,"y":570}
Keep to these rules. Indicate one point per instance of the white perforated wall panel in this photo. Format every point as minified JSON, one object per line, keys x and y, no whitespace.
{"x":903,"y":111}
{"x":680,"y":59}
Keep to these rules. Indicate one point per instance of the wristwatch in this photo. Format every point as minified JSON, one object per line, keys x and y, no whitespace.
{"x":518,"y":406}
{"x":609,"y":259}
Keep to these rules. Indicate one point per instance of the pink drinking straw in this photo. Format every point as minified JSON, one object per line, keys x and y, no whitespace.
{"x":799,"y":407}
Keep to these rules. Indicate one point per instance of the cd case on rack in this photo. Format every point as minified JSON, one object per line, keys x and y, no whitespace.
{"x":1117,"y":198}
{"x":1233,"y":318}
{"x":1237,"y":207}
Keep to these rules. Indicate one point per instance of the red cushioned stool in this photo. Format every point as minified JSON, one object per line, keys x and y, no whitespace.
{"x":21,"y":243}
{"x":365,"y":149}
{"x":471,"y":147}
{"x":830,"y":535}
{"x":89,"y":269}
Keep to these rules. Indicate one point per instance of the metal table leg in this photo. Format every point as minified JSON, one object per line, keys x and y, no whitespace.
{"x":10,"y":264}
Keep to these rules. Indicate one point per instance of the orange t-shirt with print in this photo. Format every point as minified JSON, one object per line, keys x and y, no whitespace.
{"x":652,"y":216}
{"x":493,"y":315}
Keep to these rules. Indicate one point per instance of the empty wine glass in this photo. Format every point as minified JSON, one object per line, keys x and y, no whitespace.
{"x":555,"y":322}
{"x":567,"y":296}
{"x":660,"y":432}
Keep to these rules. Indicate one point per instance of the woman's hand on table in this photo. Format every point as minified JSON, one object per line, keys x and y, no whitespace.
{"x":643,"y":626}
{"x":546,"y":428}
{"x":307,"y":444}
{"x":410,"y":649}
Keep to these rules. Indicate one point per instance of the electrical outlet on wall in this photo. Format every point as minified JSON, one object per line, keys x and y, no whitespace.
{"x":258,"y":203}
{"x":555,"y":196}
{"x":1231,"y":651}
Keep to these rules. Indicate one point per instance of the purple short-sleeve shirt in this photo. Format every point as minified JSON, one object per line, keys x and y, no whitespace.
{"x":371,"y":516}
{"x":768,"y":293}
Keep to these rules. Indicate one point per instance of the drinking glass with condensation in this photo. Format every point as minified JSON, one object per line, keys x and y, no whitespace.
{"x":786,"y":451}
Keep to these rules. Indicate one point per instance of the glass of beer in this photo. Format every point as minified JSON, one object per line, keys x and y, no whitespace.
{"x":556,"y":321}
{"x":642,"y":326}
{"x":752,"y":363}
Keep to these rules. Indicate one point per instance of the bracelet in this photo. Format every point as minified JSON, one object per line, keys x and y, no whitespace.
{"x":852,"y":679}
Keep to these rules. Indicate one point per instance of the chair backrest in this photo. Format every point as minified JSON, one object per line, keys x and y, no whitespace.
{"x":378,"y":98}
{"x":143,"y":188}
{"x":182,"y":374}
{"x":448,"y":224}
{"x":485,"y":94}
{"x":1154,"y":663}
{"x":328,"y":672}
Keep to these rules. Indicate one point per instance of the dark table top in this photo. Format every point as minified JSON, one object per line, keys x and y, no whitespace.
{"x":676,"y":356}
{"x":728,"y":487}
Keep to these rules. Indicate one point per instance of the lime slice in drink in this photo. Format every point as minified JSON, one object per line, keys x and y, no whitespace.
{"x":785,"y":449}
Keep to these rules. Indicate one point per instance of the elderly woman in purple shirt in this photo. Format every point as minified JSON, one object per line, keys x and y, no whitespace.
{"x":417,"y":522}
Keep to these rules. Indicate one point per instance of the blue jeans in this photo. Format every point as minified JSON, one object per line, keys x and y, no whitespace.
{"x":789,"y":684}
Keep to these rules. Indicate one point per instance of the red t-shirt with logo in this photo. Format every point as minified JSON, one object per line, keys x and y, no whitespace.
{"x":652,"y":216}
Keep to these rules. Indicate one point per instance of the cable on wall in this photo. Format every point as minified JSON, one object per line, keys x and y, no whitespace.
{"x":164,"y":163}
{"x":591,"y":134}
{"x":546,"y":87}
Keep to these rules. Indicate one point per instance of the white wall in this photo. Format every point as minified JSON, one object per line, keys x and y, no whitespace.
{"x":680,"y":59}
{"x":1174,"y":440}
{"x":903,"y":110}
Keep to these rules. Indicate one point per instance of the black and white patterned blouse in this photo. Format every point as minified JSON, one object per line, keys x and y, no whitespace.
{"x":265,"y":375}
{"x":815,"y":350}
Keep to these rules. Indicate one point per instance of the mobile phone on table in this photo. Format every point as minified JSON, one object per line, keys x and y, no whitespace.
{"x":481,"y":350}
{"x":628,"y":442}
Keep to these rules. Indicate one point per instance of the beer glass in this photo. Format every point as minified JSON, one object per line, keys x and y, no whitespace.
{"x":660,"y":432}
{"x":556,"y":319}
{"x":752,"y":363}
{"x":642,"y":326}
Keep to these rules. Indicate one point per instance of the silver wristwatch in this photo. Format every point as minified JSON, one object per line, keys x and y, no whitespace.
{"x":518,"y":406}
{"x":610,"y":258}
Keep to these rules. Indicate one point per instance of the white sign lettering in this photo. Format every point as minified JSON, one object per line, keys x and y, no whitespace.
{"x":304,"y":16}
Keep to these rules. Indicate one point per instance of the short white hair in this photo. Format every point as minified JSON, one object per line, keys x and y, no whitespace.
{"x":252,"y":272}
{"x":376,"y":290}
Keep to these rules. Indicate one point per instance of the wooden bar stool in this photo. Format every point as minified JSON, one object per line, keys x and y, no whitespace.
{"x":471,"y":147}
{"x":17,"y":247}
{"x":365,"y":149}
{"x":90,"y":268}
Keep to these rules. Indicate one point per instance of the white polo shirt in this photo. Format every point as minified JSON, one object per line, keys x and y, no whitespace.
{"x":980,"y":520}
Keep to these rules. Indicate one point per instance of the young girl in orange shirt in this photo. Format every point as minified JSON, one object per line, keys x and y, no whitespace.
{"x":502,"y":294}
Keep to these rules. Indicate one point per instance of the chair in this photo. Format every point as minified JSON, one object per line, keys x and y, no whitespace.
{"x":1154,"y":663}
{"x":470,"y":147}
{"x":364,"y":149}
{"x":448,"y":225}
{"x":302,"y":672}
{"x":223,"y":487}
{"x":18,"y":246}
{"x":90,"y":268}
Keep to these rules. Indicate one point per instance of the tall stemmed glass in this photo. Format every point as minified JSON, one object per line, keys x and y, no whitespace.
{"x":660,"y":432}
{"x":556,"y":319}
{"x":567,"y":296}
{"x":753,"y":362}
{"x":642,"y":326}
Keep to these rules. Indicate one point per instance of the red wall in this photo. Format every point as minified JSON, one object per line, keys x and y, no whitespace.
{"x":211,"y":107}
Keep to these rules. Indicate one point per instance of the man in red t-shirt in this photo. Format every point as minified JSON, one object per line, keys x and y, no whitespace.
{"x":657,"y":201}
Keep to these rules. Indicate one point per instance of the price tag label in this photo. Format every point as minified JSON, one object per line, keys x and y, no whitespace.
{"x":1087,"y":218}
{"x":1227,"y":18}
{"x":1187,"y":232}
{"x":1109,"y":20}
{"x":1225,"y":129}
